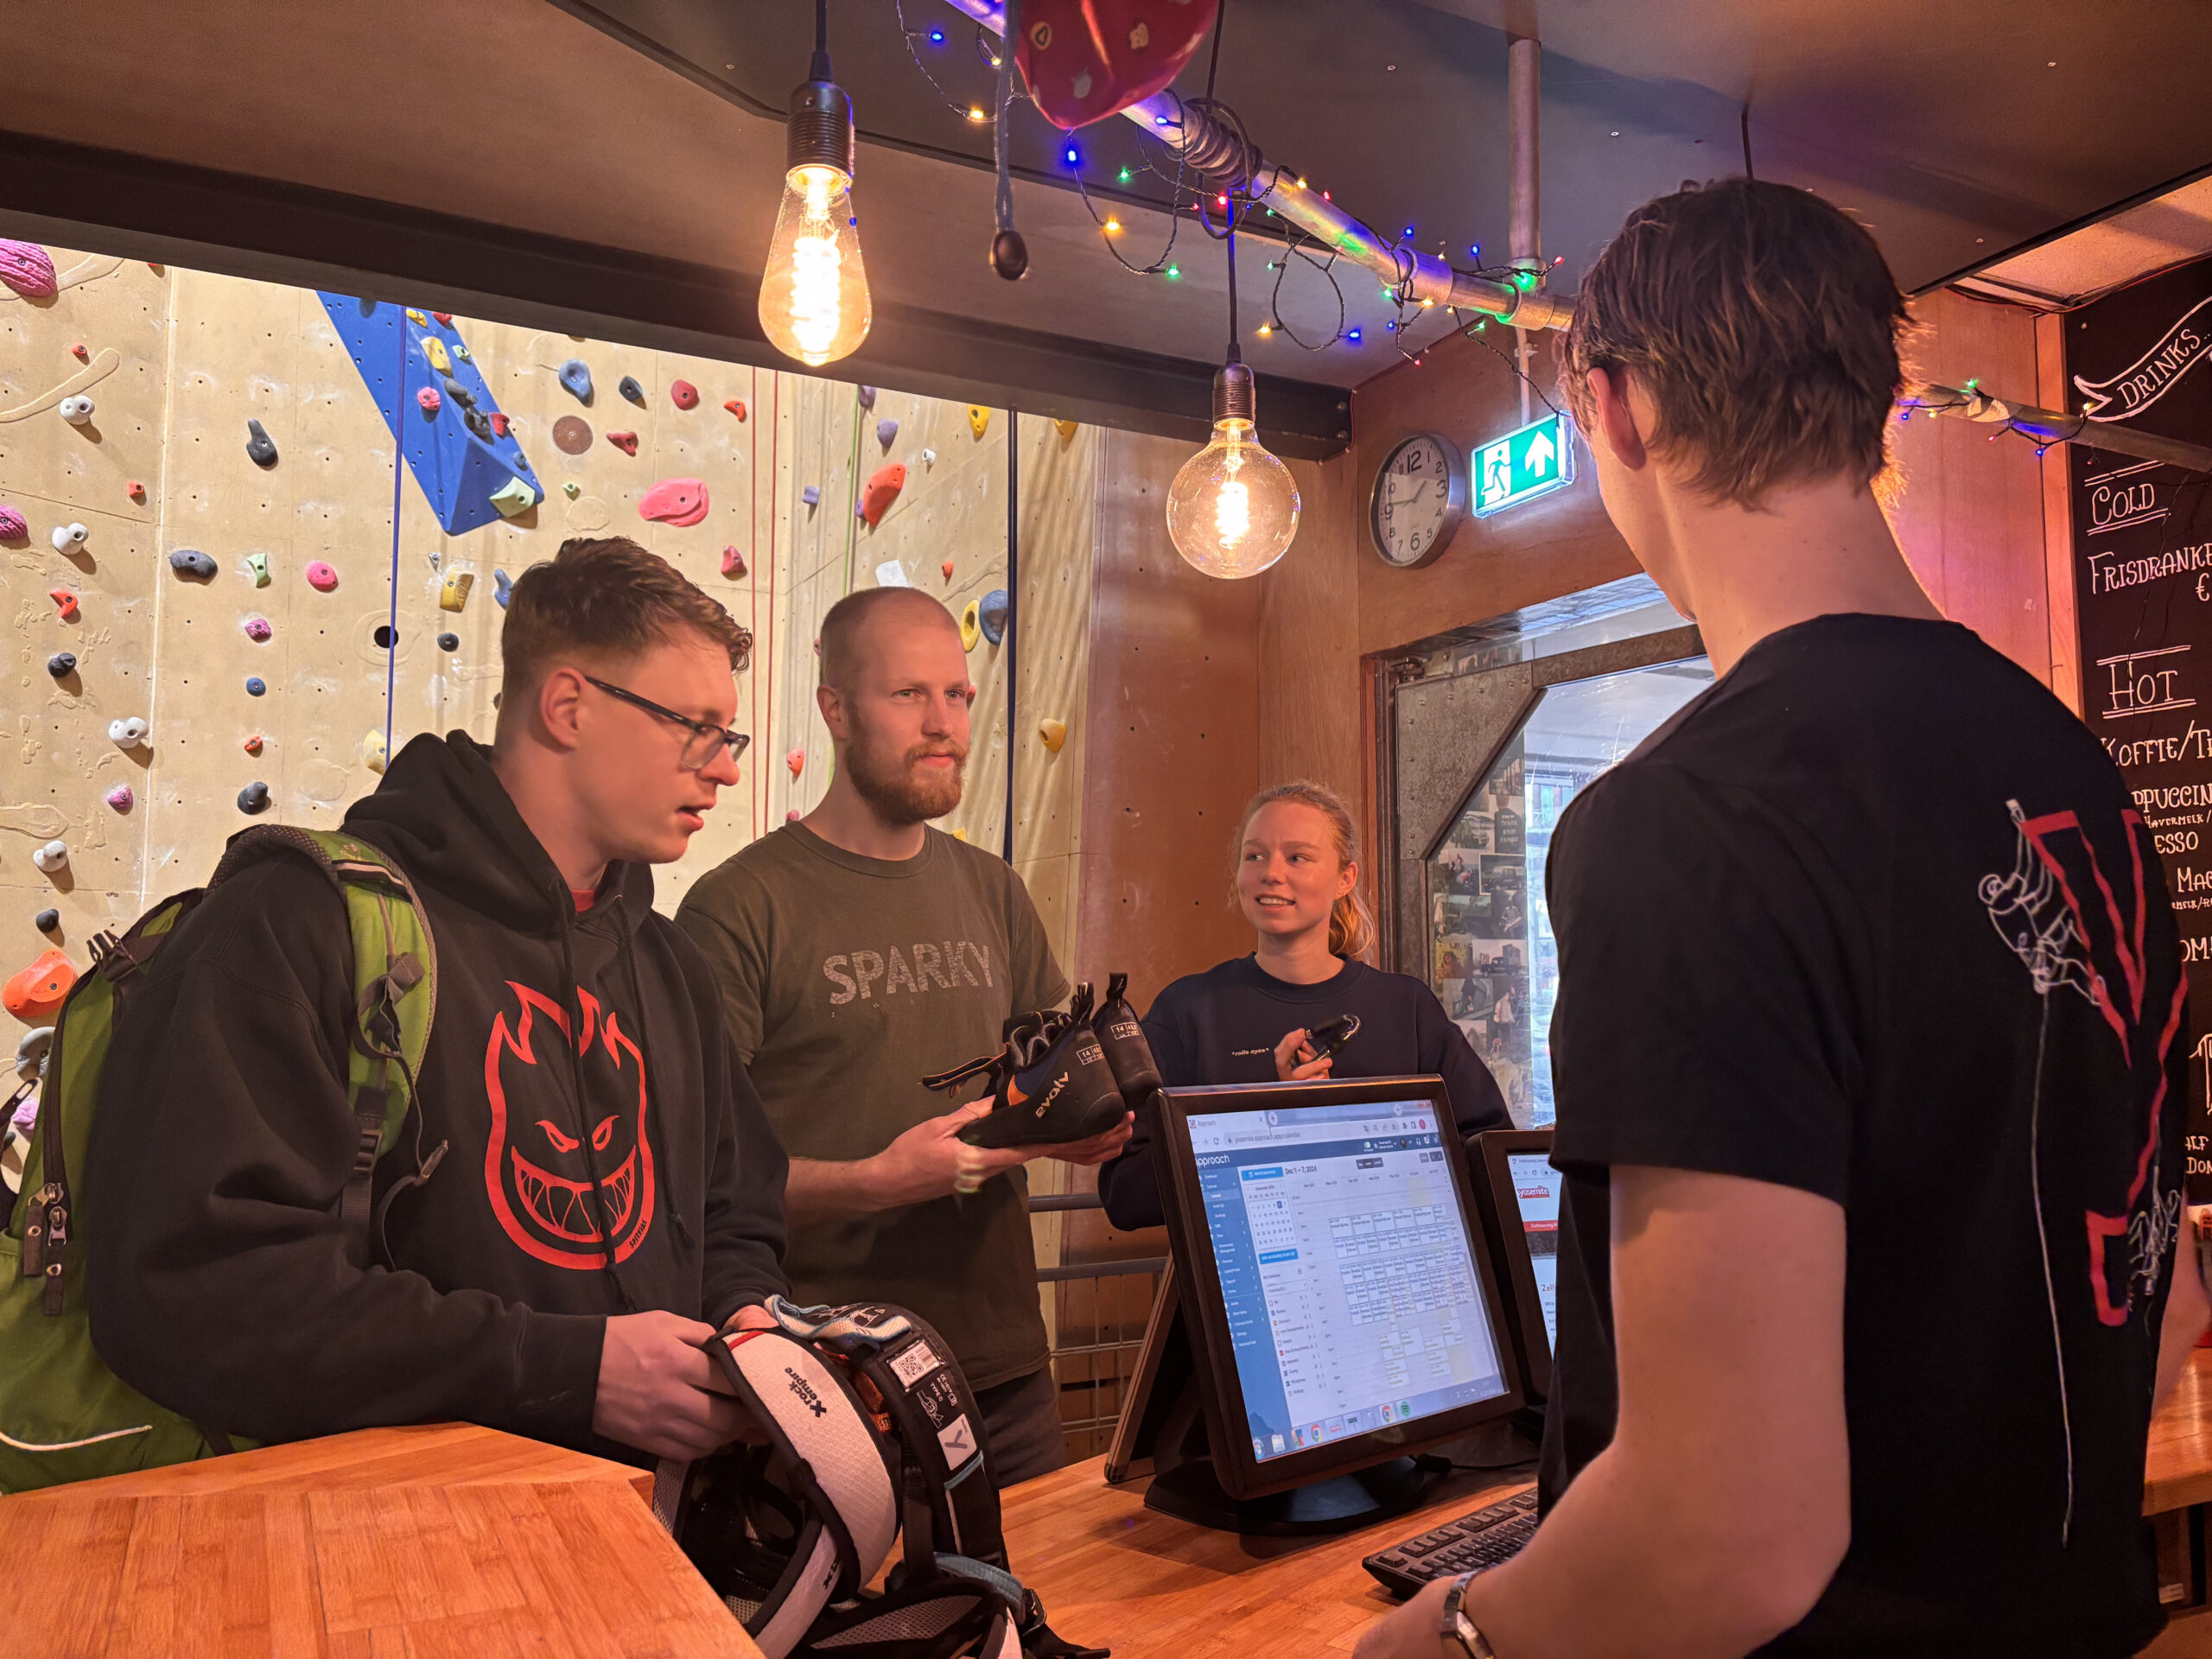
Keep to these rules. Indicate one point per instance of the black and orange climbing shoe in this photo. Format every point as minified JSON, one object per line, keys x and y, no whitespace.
{"x":1050,"y":1084}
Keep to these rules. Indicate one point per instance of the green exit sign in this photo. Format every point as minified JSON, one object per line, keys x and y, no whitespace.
{"x":1524,"y":465}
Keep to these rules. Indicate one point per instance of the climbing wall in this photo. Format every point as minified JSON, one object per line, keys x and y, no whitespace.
{"x":250,"y":602}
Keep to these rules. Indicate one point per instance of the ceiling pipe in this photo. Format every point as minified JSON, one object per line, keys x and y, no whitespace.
{"x":1523,"y":85}
{"x":1211,"y":150}
{"x":2049,"y":426}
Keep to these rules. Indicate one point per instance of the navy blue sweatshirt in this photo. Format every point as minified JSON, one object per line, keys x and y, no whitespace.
{"x":222,"y":1282}
{"x":1222,"y":1025}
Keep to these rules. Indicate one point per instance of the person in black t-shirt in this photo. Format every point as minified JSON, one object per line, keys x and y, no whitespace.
{"x":1869,"y":1050}
{"x":1246,"y":1019}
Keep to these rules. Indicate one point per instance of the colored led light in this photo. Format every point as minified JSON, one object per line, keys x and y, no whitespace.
{"x":1074,"y":157}
{"x":1353,"y":336}
{"x":1125,"y":175}
{"x":1174,"y":272}
{"x":937,"y":37}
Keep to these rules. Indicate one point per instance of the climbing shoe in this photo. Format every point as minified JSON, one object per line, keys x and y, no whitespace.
{"x":1127,"y":1051}
{"x":1049,"y":1083}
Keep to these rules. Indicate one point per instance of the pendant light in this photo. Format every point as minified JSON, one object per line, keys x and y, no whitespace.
{"x":813,"y":297}
{"x":1233,"y":508}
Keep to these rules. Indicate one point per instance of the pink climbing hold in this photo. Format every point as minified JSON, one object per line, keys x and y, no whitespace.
{"x":736,"y":406}
{"x":322,"y":577}
{"x":626,"y":441}
{"x":792,"y":816}
{"x":13,"y":525}
{"x":684,"y":394}
{"x":120,"y":797}
{"x":796,"y":761}
{"x":26,"y":268}
{"x":732,"y":562}
{"x":428,"y":399}
{"x":678,"y":501}
{"x":66,"y":600}
{"x":257,"y":629}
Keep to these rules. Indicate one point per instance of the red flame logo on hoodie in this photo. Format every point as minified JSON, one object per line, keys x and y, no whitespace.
{"x":543,"y":1196}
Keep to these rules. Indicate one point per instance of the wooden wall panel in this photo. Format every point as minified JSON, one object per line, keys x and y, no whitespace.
{"x":1969,"y":513}
{"x":2054,"y":391}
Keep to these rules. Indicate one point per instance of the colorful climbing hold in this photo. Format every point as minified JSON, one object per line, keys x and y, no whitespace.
{"x":127,"y":733}
{"x":460,"y":352}
{"x":443,"y":317}
{"x":191,"y":561}
{"x":790,"y":814}
{"x":47,"y":920}
{"x":960,"y":835}
{"x":434,"y":349}
{"x":76,"y":410}
{"x":979,"y":419}
{"x":415,"y":316}
{"x":797,"y":761}
{"x":320,"y":576}
{"x":929,"y":457}
{"x":252,"y":745}
{"x":883,"y":487}
{"x":626,"y":441}
{"x":684,"y":394}
{"x":499,"y":423}
{"x":77,"y":350}
{"x":678,"y":501}
{"x":947,"y":568}
{"x":1054,"y":732}
{"x":885,"y":429}
{"x":62,"y":665}
{"x":257,"y":629}
{"x":971,"y":629}
{"x":736,"y":406}
{"x":1066,"y":430}
{"x":64,"y":601}
{"x":513,"y":498}
{"x":373,"y":751}
{"x":866,"y":395}
{"x":37,"y":992}
{"x":428,"y":397}
{"x":505,"y":586}
{"x":448,"y":642}
{"x":13,"y":525}
{"x":453,"y":592}
{"x":732,"y":563}
{"x":811,"y":495}
{"x":28,"y":270}
{"x":135,"y":488}
{"x":255,"y":685}
{"x":257,"y":566}
{"x":991,"y":615}
{"x":577,"y":378}
{"x":572,"y":434}
{"x":570,"y":488}
{"x":66,"y":537}
{"x":120,"y":797}
{"x":260,"y":447}
{"x":54,"y":856}
{"x":630,"y":388}
{"x":254,"y":797}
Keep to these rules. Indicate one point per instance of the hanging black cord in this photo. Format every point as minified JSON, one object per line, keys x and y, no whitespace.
{"x":1745,"y":125}
{"x":819,"y":69}
{"x":1233,"y":355}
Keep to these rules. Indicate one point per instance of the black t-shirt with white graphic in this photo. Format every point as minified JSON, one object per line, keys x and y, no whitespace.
{"x":1875,"y":918}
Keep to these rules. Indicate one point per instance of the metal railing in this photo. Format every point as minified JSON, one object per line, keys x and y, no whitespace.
{"x":1101,"y":1313}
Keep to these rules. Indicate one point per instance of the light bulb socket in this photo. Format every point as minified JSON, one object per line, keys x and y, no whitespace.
{"x":819,"y":131}
{"x":1234,"y":398}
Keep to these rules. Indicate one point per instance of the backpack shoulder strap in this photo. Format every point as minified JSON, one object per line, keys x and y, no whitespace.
{"x":395,"y":982}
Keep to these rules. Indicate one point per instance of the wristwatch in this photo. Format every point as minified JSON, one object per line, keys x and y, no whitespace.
{"x":1459,"y":1634}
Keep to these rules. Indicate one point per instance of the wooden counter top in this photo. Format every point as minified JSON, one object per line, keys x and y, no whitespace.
{"x":446,"y":1540}
{"x":2178,"y":1468}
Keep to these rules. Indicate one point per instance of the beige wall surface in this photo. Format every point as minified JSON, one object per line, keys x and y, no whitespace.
{"x":178,"y":362}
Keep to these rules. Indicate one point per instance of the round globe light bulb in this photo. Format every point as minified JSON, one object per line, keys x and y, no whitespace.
{"x":1233,"y":508}
{"x":814,"y":299}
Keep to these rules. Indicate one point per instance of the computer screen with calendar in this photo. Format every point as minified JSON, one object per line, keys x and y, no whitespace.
{"x":1348,"y":1276}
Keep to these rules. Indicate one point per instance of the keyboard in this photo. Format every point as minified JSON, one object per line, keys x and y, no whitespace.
{"x":1484,"y":1538}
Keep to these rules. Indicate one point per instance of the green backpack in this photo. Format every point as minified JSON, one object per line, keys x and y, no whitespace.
{"x":64,"y":1416}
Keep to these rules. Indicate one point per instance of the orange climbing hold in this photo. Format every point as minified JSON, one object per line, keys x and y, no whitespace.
{"x":254,"y":744}
{"x":947,"y":568}
{"x":135,"y":490}
{"x":736,"y":406}
{"x":39,"y":991}
{"x":66,"y":600}
{"x":77,"y":350}
{"x":626,"y":441}
{"x":796,"y":761}
{"x":883,"y":487}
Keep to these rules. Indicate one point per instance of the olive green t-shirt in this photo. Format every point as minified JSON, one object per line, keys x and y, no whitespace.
{"x":846,"y":981}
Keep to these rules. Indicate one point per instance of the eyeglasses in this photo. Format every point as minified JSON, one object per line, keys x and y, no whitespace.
{"x":705,"y":736}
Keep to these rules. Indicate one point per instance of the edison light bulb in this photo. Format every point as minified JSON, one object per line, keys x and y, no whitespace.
{"x":813,"y":297}
{"x":1233,"y":508}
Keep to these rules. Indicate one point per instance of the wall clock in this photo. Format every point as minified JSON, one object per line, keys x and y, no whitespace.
{"x":1419,"y":498}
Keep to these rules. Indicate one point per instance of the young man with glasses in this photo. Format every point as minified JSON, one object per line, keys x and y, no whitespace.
{"x":603,"y":1191}
{"x":859,"y":949}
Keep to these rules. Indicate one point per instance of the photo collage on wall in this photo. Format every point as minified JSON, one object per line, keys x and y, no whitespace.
{"x":1479,"y":931}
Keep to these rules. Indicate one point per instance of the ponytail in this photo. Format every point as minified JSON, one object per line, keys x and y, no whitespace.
{"x":1351,"y":924}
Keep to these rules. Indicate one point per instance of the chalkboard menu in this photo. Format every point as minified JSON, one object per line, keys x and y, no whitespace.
{"x":2143,"y":588}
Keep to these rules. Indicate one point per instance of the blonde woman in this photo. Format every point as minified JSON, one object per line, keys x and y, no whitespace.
{"x":1247,"y":1020}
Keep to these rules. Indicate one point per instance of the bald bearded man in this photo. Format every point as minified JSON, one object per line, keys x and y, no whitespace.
{"x":859,"y":951}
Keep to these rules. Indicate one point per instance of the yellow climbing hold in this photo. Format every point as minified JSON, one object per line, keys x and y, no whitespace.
{"x":415,"y":316}
{"x":452,"y":593}
{"x":434,"y":349}
{"x":1066,"y":430}
{"x":979,"y":419}
{"x":1054,"y":732}
{"x":971,"y":626}
{"x":373,"y":751}
{"x":960,"y":835}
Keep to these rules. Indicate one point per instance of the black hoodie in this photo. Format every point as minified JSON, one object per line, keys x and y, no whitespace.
{"x":222,"y":1281}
